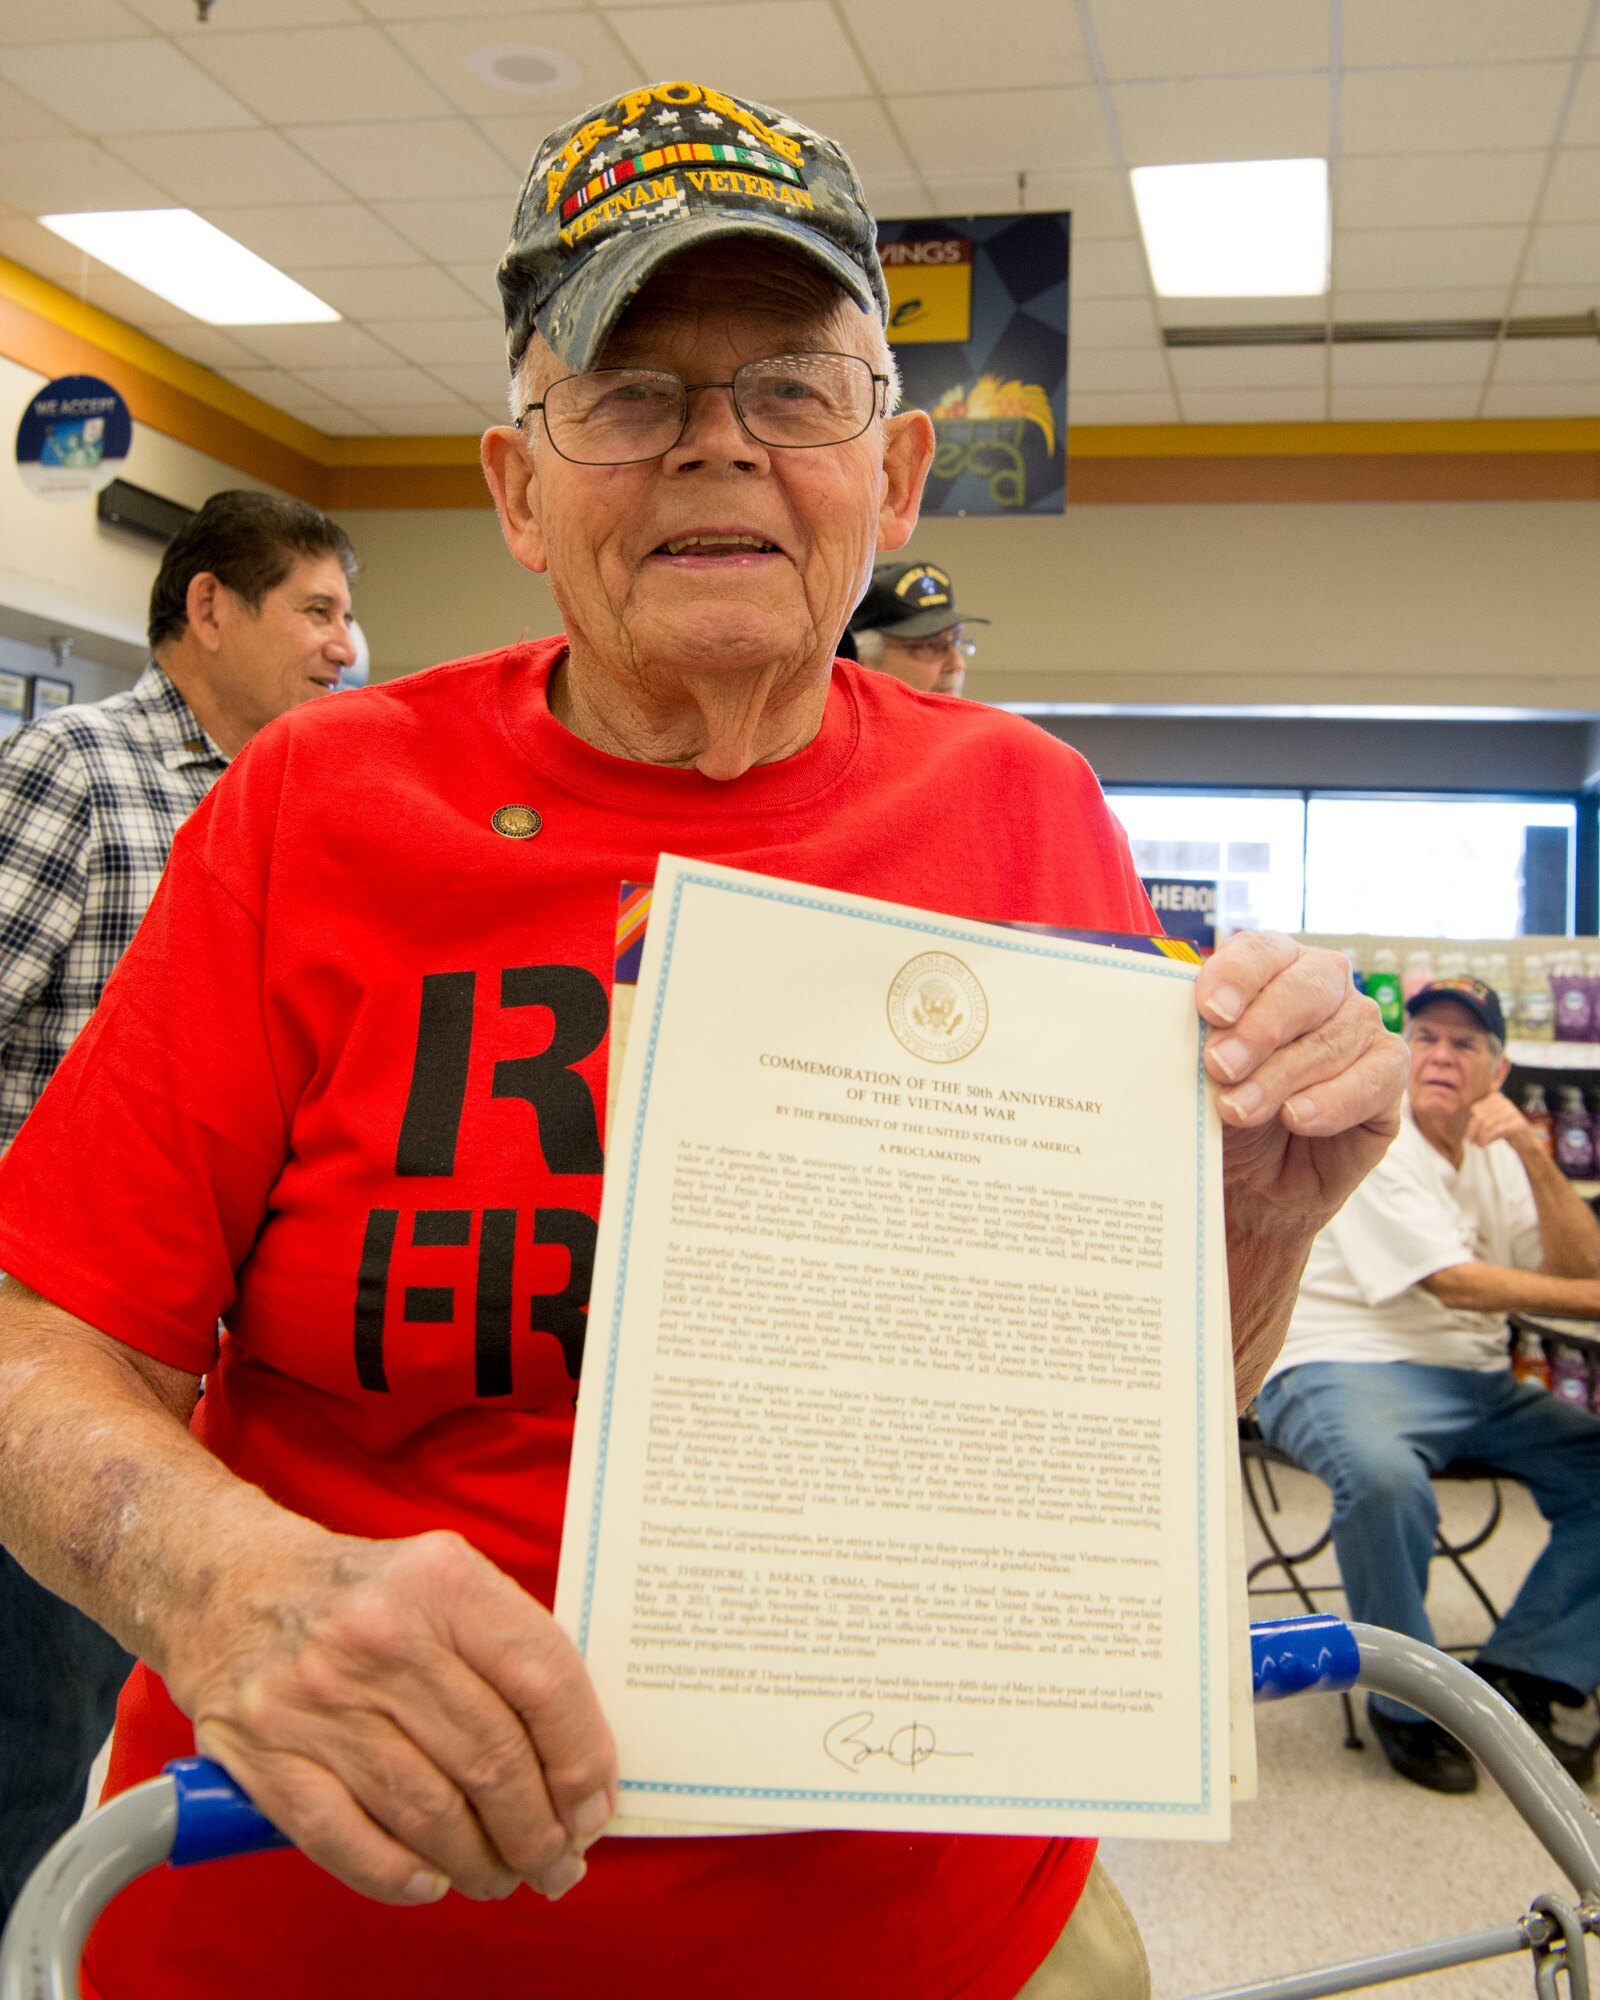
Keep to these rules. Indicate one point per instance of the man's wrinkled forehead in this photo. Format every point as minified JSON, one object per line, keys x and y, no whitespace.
{"x":1447,"y":1018}
{"x":724,"y":294}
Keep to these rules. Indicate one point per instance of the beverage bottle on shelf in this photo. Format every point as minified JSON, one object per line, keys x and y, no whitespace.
{"x":1452,"y":964}
{"x":1528,"y":1362}
{"x":1537,"y":1113}
{"x":1574,"y":1138}
{"x":1593,"y":1101}
{"x":1571,"y":993}
{"x":1536,"y":1017}
{"x":1418,"y":973}
{"x":1498,"y":975}
{"x":1591,"y":981}
{"x":1382,"y":982}
{"x":1569,"y":1374}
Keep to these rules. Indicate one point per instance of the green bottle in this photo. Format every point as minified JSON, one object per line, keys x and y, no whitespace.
{"x":1382,"y":984}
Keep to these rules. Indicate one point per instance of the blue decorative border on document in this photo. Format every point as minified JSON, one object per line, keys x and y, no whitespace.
{"x":1033,"y":945}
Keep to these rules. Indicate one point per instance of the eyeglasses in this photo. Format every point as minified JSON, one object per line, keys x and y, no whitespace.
{"x":937,"y":648}
{"x":794,"y":402}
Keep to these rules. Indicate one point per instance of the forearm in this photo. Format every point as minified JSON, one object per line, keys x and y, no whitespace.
{"x":1568,"y":1232}
{"x":1502,"y":1288}
{"x":1264,"y":1273}
{"x":105,"y":1497}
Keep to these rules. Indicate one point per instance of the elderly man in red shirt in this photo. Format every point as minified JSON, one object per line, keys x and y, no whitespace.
{"x":346,"y":1092}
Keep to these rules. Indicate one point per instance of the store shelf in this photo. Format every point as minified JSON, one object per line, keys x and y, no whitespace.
{"x":1588,"y":1189}
{"x":1554,"y":1055}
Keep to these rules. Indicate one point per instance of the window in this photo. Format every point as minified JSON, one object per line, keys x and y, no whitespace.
{"x":1250,"y":844}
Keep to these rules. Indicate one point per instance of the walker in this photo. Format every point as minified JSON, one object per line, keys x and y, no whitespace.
{"x":194,"y":1812}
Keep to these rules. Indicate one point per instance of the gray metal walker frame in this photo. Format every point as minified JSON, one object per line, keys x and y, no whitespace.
{"x":193,"y":1812}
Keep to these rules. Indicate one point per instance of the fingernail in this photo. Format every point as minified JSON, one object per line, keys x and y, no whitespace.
{"x":590,"y":1818}
{"x":1232,"y":1057}
{"x":565,"y":1874}
{"x":1301,"y":1110}
{"x":1225,"y":1005}
{"x":426,"y":1887}
{"x":1245,"y":1101}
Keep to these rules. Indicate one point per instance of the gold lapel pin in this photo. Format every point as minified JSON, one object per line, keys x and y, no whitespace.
{"x":516,"y":822}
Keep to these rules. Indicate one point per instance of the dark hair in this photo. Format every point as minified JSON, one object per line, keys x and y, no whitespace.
{"x":248,"y":541}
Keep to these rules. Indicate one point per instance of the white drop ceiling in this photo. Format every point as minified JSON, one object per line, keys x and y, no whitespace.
{"x":351,"y":143}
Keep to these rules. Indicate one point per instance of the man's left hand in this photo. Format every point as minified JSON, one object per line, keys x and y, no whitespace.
{"x":1310,"y":1085}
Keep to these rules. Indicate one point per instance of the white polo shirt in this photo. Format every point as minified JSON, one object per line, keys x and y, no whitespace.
{"x":1414,"y":1214}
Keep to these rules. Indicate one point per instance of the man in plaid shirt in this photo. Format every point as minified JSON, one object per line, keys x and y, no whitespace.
{"x":249,"y":616}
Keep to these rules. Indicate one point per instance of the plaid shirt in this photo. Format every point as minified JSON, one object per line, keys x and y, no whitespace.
{"x":90,"y":799}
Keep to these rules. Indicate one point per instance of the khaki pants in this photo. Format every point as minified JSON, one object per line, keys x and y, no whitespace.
{"x":1099,"y":1956}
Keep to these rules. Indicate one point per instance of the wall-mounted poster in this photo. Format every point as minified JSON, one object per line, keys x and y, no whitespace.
{"x":48,"y":694}
{"x":74,"y":437}
{"x":13,"y":702}
{"x":978,"y":322}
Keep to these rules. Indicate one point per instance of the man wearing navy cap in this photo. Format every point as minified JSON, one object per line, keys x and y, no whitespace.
{"x":1397,"y":1363}
{"x":908,"y":625}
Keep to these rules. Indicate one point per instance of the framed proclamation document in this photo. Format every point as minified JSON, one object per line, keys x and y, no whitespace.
{"x":900,"y":1496}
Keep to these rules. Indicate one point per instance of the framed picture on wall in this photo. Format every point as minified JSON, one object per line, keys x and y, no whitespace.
{"x":13,"y":702}
{"x":48,"y":694}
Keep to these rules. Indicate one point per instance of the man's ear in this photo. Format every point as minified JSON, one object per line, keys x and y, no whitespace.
{"x":514,"y":481}
{"x":1502,"y":1071}
{"x":908,"y":442}
{"x":206,"y":607}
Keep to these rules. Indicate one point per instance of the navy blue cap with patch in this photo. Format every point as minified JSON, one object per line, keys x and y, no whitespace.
{"x":910,"y":600}
{"x":1481,"y":1002}
{"x":616,"y":192}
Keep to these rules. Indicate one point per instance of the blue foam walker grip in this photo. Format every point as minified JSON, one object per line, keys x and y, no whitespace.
{"x":215,"y":1819}
{"x":1303,"y":1655}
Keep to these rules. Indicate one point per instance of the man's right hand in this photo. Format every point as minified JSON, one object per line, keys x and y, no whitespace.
{"x":404,"y":1712}
{"x":1496,"y":1117}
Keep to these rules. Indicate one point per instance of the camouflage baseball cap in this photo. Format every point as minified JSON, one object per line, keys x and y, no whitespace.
{"x":616,"y":192}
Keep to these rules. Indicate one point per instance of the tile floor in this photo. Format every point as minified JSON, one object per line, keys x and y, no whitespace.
{"x":1337,"y":1856}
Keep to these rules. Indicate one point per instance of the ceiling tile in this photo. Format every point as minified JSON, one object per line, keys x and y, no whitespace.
{"x":1565,"y":253}
{"x":319,"y":76}
{"x":57,"y":176}
{"x":413,"y":160}
{"x":1110,"y":271}
{"x":23,"y":117}
{"x":1146,"y":408}
{"x":1544,"y":361}
{"x":1170,"y":38}
{"x":429,"y":10}
{"x":1535,"y":300}
{"x":1370,"y":259}
{"x":479,"y":280}
{"x":123,"y":86}
{"x":1568,"y":399}
{"x":1395,"y":405}
{"x":178,"y":17}
{"x":1396,"y":364}
{"x":862,"y":127}
{"x":1022,"y":45}
{"x":454,"y":229}
{"x":1476,"y":302}
{"x":41,"y":251}
{"x":24,"y":21}
{"x":463,"y":343}
{"x":987,"y":131}
{"x":1224,"y":118}
{"x":1496,"y":108}
{"x":440,"y":50}
{"x":1099,"y":369}
{"x":447,"y":417}
{"x":1119,"y":323}
{"x":1242,"y":312}
{"x":1437,"y":190}
{"x":202,"y":169}
{"x":482,"y":384}
{"x":1099,"y":202}
{"x":1378,"y":33}
{"x":342,"y":234}
{"x":123,"y":299}
{"x":1583,"y":115}
{"x":285,"y":392}
{"x":1254,"y":406}
{"x":767,"y":49}
{"x":901,"y":201}
{"x":390,"y":383}
{"x":212,"y":346}
{"x":1206,"y":369}
{"x":390,"y":291}
{"x":330,"y":345}
{"x":1574,"y":191}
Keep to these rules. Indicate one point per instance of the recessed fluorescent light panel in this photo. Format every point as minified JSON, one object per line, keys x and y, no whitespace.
{"x":180,"y":257}
{"x":1236,"y":229}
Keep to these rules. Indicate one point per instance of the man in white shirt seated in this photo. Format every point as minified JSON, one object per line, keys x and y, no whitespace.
{"x":1397,"y":1362}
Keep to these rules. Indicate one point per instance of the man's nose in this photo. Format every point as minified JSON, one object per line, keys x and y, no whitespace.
{"x":343,"y":646}
{"x":714,"y":434}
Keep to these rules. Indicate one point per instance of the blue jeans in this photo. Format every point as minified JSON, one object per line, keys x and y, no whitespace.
{"x":60,"y":1676}
{"x":1374,"y":1431}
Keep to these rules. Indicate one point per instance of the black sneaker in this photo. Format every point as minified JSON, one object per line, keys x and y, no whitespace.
{"x":1532,"y":1696}
{"x":1423,"y":1752}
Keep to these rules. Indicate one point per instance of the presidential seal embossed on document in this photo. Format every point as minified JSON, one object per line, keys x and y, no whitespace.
{"x":937,"y":1009}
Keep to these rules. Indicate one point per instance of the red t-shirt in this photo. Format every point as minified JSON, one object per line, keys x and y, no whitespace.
{"x":345,"y":1091}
